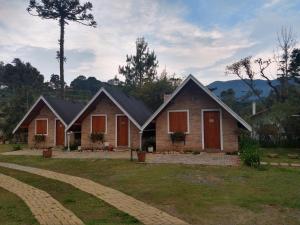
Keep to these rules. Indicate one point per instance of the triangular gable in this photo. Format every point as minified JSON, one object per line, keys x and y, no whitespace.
{"x":102,"y":90}
{"x":41,"y":98}
{"x":206,"y":90}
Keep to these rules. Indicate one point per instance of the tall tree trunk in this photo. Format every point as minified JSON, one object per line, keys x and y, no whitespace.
{"x":62,"y":57}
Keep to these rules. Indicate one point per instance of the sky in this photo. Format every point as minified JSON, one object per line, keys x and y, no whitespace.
{"x":198,"y":37}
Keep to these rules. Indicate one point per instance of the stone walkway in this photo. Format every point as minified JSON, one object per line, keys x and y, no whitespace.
{"x":217,"y":159}
{"x":45,"y":209}
{"x":212,"y":159}
{"x":281,"y":164}
{"x":141,"y":211}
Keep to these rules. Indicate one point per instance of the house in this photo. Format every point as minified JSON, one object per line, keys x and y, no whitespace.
{"x":48,"y":117}
{"x":114,"y":114}
{"x":207,"y":124}
{"x":112,"y":118}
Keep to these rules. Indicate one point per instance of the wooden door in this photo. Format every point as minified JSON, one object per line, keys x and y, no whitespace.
{"x":212,"y":130}
{"x":60,"y":133}
{"x":122,"y":131}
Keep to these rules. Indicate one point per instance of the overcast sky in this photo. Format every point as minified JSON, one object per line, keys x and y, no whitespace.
{"x":199,"y":37}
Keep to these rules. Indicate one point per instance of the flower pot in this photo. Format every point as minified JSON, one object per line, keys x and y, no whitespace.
{"x":141,"y":156}
{"x":47,"y":153}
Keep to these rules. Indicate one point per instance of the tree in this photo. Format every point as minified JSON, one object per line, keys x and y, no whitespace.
{"x":63,"y":11}
{"x":54,"y":82}
{"x":90,"y":84}
{"x":140,"y":68}
{"x":286,"y":43}
{"x":294,"y":66}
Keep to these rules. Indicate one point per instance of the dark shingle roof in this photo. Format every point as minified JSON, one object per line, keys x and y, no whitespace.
{"x":134,"y":107}
{"x":67,"y":110}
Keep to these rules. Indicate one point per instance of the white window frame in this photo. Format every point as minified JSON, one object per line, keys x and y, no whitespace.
{"x":35,"y":126}
{"x":91,"y":122}
{"x":221,"y":126}
{"x":188,"y":119}
{"x":116,"y":130}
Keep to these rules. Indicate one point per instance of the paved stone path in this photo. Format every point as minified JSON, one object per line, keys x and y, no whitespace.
{"x":141,"y":211}
{"x":281,"y":164}
{"x":45,"y":209}
{"x":204,"y":158}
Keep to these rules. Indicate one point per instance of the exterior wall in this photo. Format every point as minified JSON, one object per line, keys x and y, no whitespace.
{"x":106,"y":106}
{"x":194,"y":100}
{"x":50,"y":138}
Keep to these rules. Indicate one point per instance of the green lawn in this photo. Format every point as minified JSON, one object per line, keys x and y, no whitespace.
{"x":13,"y":211}
{"x":197,"y":194}
{"x":282,"y":155}
{"x":8,"y":147}
{"x":89,"y":209}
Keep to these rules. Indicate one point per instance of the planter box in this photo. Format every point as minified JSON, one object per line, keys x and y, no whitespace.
{"x":47,"y":153}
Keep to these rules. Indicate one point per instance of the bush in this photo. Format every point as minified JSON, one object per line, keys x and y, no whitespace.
{"x":95,"y":137}
{"x":149,"y":142}
{"x":16,"y":147}
{"x":177,"y":137}
{"x":39,"y":138}
{"x":250,"y":152}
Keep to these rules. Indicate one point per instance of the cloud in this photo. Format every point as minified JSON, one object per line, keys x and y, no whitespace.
{"x":182,"y":42}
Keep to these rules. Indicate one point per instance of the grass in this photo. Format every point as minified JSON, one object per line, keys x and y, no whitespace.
{"x":89,"y":209}
{"x":13,"y":211}
{"x":197,"y":194}
{"x":8,"y":147}
{"x":282,"y":155}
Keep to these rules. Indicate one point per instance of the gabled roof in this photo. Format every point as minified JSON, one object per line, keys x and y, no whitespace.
{"x":133,"y":108}
{"x":207,"y":91}
{"x":64,"y":110}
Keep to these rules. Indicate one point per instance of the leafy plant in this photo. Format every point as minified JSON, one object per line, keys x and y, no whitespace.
{"x":178,"y":137}
{"x":16,"y":147}
{"x":249,"y":152}
{"x":149,"y":142}
{"x":39,"y":138}
{"x":97,"y":137}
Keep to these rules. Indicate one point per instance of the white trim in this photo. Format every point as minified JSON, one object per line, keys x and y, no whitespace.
{"x":116,"y":130}
{"x":205,"y":89}
{"x":91,"y":122}
{"x":55,"y":132}
{"x":112,"y":99}
{"x":41,"y":98}
{"x":221,"y":126}
{"x":35,"y":126}
{"x":187,"y":119}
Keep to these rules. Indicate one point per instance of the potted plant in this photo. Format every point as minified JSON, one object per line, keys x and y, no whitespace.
{"x":97,"y":137}
{"x":178,"y":137}
{"x":141,"y":154}
{"x":47,"y":153}
{"x":149,"y":144}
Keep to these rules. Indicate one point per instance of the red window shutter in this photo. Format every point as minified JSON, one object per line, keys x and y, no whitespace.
{"x":178,"y":121}
{"x":98,"y":124}
{"x":41,"y":127}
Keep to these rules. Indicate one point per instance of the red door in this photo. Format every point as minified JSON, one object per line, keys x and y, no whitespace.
{"x":60,"y":133}
{"x":212,"y":130}
{"x":122,"y":131}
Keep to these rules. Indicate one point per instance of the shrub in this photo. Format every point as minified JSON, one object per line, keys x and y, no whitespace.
{"x":95,"y":137}
{"x":16,"y":147}
{"x":177,"y":137}
{"x":250,"y":152}
{"x":149,"y":142}
{"x":39,"y":138}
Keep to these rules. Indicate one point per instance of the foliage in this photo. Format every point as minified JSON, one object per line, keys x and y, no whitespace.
{"x":90,"y":84}
{"x":63,"y":11}
{"x":97,"y":137}
{"x":140,"y":68}
{"x":39,"y":138}
{"x":178,"y":137}
{"x":17,"y":147}
{"x":294,"y":66}
{"x":249,"y":152}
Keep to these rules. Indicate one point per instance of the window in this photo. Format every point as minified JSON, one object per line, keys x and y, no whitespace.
{"x":41,"y":126}
{"x":178,"y":121}
{"x":98,"y":124}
